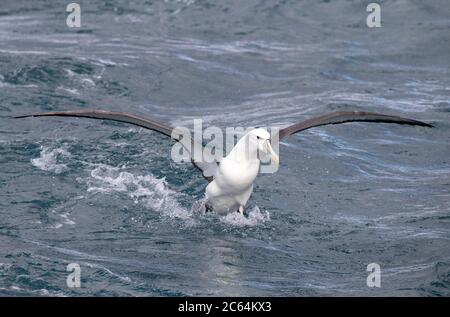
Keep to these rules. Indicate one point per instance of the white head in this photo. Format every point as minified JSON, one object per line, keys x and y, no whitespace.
{"x":261,"y":138}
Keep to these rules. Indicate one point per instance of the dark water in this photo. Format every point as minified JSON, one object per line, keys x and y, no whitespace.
{"x":108,"y":197}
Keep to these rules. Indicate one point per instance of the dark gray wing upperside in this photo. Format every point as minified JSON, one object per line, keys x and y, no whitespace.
{"x":339,"y":117}
{"x":147,"y":123}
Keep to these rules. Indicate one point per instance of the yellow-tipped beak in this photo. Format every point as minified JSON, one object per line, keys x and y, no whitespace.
{"x":274,"y":155}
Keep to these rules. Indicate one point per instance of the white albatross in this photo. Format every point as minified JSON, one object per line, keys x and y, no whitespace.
{"x":231,"y":178}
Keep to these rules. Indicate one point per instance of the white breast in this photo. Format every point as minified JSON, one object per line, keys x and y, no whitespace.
{"x":233,"y":180}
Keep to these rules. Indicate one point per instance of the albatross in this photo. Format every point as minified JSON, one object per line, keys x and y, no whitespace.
{"x":230,"y":178}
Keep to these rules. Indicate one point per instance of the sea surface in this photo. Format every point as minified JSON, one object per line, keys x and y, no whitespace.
{"x":108,"y":197}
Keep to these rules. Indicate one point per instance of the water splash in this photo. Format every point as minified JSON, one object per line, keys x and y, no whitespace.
{"x":49,"y":159}
{"x":254,"y":218}
{"x":146,"y":189}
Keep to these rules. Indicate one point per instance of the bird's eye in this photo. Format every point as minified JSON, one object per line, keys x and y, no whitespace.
{"x":258,"y":137}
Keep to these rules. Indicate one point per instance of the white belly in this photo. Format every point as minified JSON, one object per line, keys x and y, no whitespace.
{"x":231,"y":187}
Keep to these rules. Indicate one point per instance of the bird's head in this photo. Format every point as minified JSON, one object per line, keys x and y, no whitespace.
{"x":261,"y":138}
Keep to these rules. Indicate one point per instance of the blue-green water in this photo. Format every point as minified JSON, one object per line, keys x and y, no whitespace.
{"x":108,"y":197}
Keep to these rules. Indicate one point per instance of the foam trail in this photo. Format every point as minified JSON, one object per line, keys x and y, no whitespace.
{"x":148,"y":189}
{"x":48,"y":160}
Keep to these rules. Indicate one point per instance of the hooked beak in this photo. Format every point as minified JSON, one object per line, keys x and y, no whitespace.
{"x":272,"y":153}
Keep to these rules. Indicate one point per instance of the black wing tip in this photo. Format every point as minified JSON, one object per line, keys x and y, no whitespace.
{"x":417,"y":122}
{"x":24,"y":116}
{"x":30,"y":115}
{"x":70,"y":112}
{"x":400,"y":119}
{"x":38,"y":114}
{"x":424,"y":124}
{"x":63,"y":113}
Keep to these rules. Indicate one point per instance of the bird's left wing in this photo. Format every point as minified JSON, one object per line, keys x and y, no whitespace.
{"x":147,"y":123}
{"x":339,"y":117}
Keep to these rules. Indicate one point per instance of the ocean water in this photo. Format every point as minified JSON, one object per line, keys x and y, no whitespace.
{"x":108,"y":197}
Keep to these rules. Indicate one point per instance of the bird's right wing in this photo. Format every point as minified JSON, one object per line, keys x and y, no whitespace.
{"x":188,"y":143}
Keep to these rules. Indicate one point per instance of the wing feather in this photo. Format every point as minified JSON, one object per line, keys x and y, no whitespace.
{"x":339,"y":117}
{"x":146,"y":123}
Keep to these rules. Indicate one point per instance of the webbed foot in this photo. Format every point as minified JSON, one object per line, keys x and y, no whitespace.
{"x":242,"y":211}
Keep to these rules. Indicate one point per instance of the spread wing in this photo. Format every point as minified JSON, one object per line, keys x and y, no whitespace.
{"x":339,"y":117}
{"x":188,"y":143}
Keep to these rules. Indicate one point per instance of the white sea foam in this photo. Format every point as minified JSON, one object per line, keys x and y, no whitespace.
{"x":38,"y":292}
{"x":123,"y":278}
{"x":18,"y":52}
{"x":65,"y":221}
{"x":69,"y":90}
{"x":5,"y":267}
{"x":106,"y":62}
{"x":84,"y":80}
{"x":48,"y":160}
{"x":146,"y":189}
{"x":13,"y":86}
{"x":255,"y":217}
